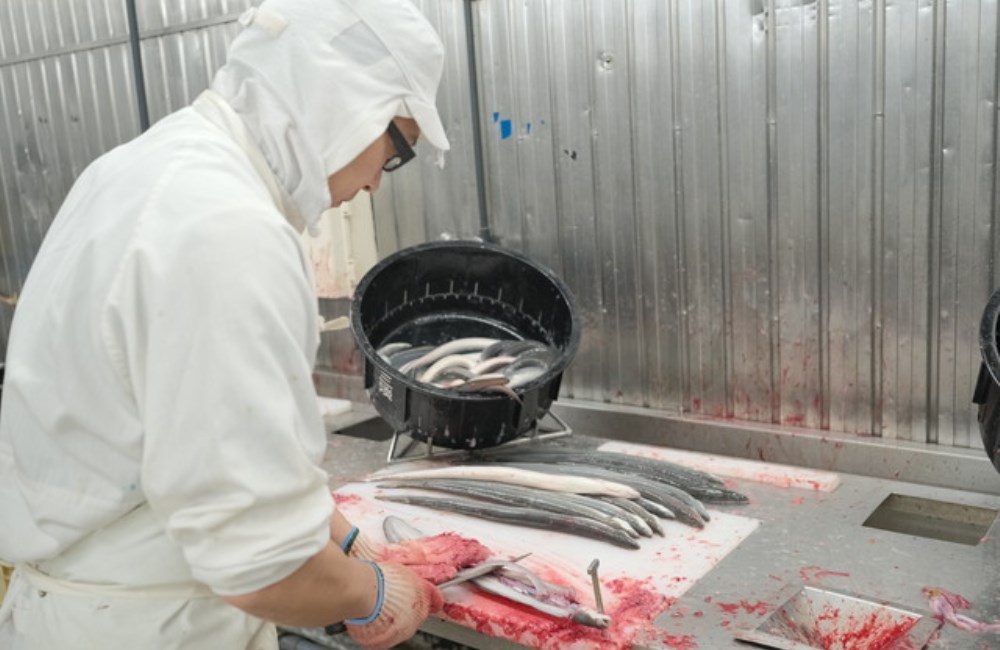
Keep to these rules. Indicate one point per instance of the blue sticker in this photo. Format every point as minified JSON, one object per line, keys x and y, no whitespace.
{"x":528,"y":128}
{"x":506,"y":129}
{"x":496,"y":117}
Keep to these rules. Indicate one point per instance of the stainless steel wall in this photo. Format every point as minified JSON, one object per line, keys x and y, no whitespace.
{"x":776,"y":211}
{"x":433,"y":200}
{"x":183,"y":44}
{"x":67,"y":95}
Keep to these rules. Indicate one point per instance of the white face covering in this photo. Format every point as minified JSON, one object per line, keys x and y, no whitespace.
{"x":317,"y":81}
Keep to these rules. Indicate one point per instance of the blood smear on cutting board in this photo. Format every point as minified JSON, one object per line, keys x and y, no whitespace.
{"x":632,"y":606}
{"x":344,"y":499}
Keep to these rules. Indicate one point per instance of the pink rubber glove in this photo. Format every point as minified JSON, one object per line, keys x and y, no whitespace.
{"x":404,"y":602}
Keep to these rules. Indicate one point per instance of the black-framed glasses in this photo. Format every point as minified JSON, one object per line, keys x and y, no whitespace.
{"x":404,"y":152}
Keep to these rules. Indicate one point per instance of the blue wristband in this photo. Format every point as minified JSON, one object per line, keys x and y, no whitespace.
{"x":380,"y":579}
{"x":348,"y":542}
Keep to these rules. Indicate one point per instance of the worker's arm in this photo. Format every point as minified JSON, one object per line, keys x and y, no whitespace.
{"x":330,"y":587}
{"x":382,"y":605}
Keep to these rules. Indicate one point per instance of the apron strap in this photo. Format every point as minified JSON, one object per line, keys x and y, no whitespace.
{"x":47,"y":583}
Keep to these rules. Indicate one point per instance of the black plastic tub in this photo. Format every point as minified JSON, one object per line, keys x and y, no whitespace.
{"x":433,"y":293}
{"x":987,"y":394}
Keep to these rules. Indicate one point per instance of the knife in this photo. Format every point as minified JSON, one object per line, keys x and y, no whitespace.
{"x":478,"y":571}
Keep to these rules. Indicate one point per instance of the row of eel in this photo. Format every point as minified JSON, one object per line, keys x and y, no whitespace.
{"x":613,"y":497}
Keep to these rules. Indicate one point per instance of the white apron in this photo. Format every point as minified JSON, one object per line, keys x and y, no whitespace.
{"x":62,"y":605}
{"x":45,"y":613}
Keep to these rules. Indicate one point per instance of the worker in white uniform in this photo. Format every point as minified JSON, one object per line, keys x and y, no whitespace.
{"x":160,"y":436}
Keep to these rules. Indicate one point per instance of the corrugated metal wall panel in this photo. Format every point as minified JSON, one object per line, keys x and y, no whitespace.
{"x":909,"y":74}
{"x":423,"y":201}
{"x":746,"y":167}
{"x":792,"y":108}
{"x":183,"y":44}
{"x":570,"y":53}
{"x":654,"y":105}
{"x":705,"y":232}
{"x":851,"y":218}
{"x":802,"y":233}
{"x":180,"y":65}
{"x":29,"y":28}
{"x":66,"y":96}
{"x":612,"y":129}
{"x":967,"y":154}
{"x":156,"y":15}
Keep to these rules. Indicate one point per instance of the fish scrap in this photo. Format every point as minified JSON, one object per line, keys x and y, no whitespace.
{"x":945,"y":605}
{"x":516,"y":583}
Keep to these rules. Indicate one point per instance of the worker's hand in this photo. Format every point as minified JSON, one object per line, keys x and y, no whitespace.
{"x":436,"y":558}
{"x":404,"y":602}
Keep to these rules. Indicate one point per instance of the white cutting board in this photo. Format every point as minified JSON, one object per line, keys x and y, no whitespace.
{"x":637,"y":584}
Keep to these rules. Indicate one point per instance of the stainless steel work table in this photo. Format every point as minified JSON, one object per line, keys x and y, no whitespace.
{"x":805,"y":537}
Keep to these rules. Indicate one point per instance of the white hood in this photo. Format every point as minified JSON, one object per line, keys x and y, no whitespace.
{"x":316,"y":83}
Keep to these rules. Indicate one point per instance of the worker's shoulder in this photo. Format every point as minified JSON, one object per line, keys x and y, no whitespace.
{"x":182,"y":195}
{"x":183,"y":134}
{"x":202,"y":177}
{"x":186,"y":148}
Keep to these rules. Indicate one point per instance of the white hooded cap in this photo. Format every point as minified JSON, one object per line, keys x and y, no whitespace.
{"x":317,"y":81}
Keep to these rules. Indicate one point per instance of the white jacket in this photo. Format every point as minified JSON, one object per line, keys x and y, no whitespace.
{"x":159,"y":433}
